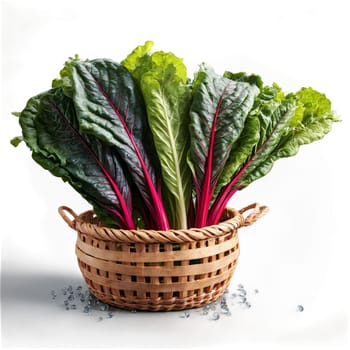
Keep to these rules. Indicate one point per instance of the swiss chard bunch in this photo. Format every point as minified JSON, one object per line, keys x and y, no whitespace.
{"x":148,"y":147}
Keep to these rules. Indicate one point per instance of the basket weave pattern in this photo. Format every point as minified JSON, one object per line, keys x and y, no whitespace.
{"x":158,"y":270}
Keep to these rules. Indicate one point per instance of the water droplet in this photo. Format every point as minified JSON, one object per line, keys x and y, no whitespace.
{"x":133,"y":311}
{"x":86,"y":309}
{"x":300,"y":308}
{"x":214,"y":316}
{"x":186,"y":314}
{"x":223,"y":301}
{"x":109,"y":315}
{"x":241,"y":299}
{"x":256,"y":291}
{"x":246,"y":305}
{"x":225,"y":310}
{"x":205,"y":310}
{"x":66,"y":302}
{"x":103,"y":307}
{"x":240,"y":286}
{"x":100,"y":319}
{"x":73,"y":307}
{"x":71,"y":297}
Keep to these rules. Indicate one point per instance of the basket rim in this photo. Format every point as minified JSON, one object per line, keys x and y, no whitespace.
{"x":83,"y":224}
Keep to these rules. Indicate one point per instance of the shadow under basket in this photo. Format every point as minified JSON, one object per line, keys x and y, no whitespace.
{"x":158,"y":270}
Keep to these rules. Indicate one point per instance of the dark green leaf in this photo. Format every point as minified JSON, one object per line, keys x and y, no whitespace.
{"x":110,"y":106}
{"x":218,"y":112}
{"x":88,"y":165}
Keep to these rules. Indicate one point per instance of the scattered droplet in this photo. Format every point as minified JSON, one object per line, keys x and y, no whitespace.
{"x":241,"y":299}
{"x":214,"y":316}
{"x":205,"y":310}
{"x":86,"y":309}
{"x":300,"y":308}
{"x":186,"y":314}
{"x":246,"y":305}
{"x":87,"y":303}
{"x":225,"y":310}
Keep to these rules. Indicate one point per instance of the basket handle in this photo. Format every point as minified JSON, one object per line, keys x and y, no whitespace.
{"x":256,"y":214}
{"x":62,"y":211}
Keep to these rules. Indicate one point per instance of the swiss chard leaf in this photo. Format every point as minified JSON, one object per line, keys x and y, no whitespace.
{"x":273,"y":121}
{"x":167,"y":97}
{"x":50,"y":129}
{"x":310,"y":120}
{"x":217,"y":116}
{"x":110,"y":107}
{"x":286,"y":123}
{"x":258,"y":164}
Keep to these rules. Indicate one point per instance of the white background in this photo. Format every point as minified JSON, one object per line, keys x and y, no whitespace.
{"x":297,"y":254}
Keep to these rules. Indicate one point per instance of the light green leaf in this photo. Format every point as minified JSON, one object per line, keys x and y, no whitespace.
{"x":167,"y":99}
{"x":133,"y":59}
{"x":315,"y":122}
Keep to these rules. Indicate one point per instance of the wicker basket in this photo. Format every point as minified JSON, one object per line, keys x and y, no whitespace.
{"x":158,"y":270}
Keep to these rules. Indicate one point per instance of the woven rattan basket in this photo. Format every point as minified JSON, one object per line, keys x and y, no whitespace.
{"x":158,"y":270}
